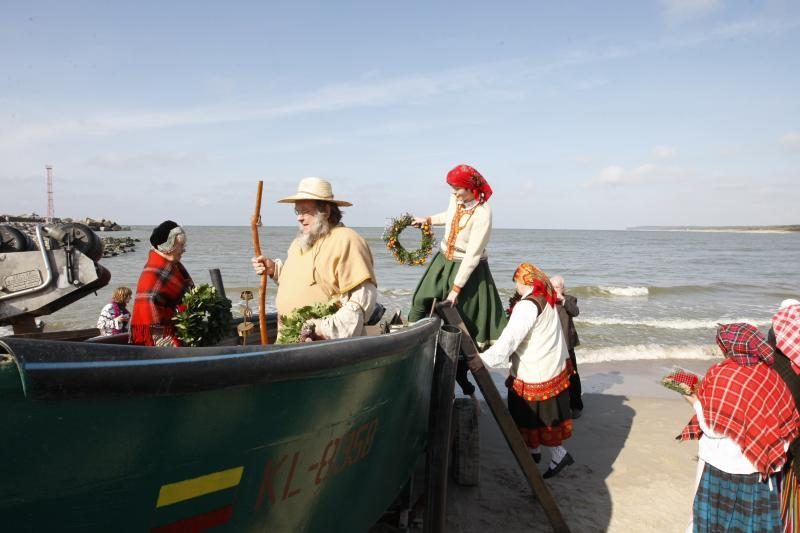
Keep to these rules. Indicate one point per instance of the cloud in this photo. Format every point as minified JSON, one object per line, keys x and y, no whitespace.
{"x":791,"y":141}
{"x":591,"y":84}
{"x":147,"y":160}
{"x":611,"y":175}
{"x":663,"y":152}
{"x":586,"y":159}
{"x":615,"y":175}
{"x":360,"y":93}
{"x":681,"y":10}
{"x":505,"y":80}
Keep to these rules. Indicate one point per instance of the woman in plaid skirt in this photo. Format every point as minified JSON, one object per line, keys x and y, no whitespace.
{"x":784,"y":337}
{"x":744,"y":420}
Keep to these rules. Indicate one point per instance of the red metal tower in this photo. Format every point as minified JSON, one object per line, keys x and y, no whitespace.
{"x":50,"y":211}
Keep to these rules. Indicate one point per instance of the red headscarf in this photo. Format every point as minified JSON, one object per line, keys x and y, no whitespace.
{"x":467,"y":177}
{"x":744,"y":344}
{"x":531,"y":275}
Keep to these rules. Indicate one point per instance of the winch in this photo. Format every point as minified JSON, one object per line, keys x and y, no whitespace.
{"x":40,"y":276}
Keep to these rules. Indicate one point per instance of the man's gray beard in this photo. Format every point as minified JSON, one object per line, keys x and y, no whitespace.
{"x":319,"y":229}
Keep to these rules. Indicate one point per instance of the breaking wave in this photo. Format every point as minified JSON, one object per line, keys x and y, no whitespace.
{"x":676,"y":323}
{"x":648,"y":352}
{"x":609,"y":291}
{"x":638,"y":291}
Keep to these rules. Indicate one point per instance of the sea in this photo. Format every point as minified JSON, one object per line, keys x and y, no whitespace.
{"x":643,"y":295}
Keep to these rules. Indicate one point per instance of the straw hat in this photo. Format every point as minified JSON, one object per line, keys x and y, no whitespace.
{"x":313,"y":189}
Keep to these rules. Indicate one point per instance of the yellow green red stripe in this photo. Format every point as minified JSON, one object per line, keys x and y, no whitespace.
{"x":199,"y":486}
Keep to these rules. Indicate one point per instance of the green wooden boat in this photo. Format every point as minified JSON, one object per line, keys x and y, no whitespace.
{"x":313,"y":437}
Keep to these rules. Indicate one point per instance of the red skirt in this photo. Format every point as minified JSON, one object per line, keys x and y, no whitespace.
{"x":546,"y":422}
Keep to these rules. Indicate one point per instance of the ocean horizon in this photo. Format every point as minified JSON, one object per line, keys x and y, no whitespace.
{"x":643,"y":294}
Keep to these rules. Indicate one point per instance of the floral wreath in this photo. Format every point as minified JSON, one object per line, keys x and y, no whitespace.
{"x":205,"y":317}
{"x":391,"y":236}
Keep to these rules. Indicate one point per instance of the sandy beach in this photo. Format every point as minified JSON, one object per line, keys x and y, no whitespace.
{"x":630,"y":474}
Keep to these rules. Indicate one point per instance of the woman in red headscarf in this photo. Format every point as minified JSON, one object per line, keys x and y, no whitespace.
{"x":539,"y":375}
{"x":459,"y":273}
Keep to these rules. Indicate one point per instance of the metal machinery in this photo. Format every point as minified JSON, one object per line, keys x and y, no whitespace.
{"x":40,"y":276}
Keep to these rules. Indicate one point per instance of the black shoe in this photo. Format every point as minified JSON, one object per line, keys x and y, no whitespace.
{"x":537,"y":457}
{"x":565,"y":462}
{"x":576,"y":413}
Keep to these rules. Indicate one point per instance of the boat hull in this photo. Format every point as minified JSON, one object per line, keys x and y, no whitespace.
{"x":302,"y":438}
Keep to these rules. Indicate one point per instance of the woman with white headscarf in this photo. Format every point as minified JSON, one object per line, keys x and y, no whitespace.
{"x":567,"y":307}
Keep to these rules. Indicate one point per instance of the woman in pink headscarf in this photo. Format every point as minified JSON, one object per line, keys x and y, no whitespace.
{"x":459,"y":273}
{"x":784,"y":337}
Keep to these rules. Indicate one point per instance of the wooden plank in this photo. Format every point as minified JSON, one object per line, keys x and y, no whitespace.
{"x":500,"y":412}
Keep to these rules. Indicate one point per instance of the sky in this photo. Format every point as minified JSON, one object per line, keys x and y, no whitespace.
{"x":581,"y":115}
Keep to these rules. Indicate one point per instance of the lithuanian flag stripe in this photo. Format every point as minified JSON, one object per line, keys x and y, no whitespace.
{"x":192,"y":488}
{"x":199,"y":523}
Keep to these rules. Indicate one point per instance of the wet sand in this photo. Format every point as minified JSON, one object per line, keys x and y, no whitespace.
{"x":630,"y":474}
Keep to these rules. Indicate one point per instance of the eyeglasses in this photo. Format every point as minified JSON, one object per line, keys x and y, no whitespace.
{"x":307,"y":211}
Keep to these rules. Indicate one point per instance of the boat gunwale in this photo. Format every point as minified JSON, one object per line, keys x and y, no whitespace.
{"x":52,"y":369}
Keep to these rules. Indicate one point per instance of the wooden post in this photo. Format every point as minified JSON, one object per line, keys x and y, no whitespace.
{"x":262,"y":290}
{"x":495,"y":402}
{"x":216,"y":281}
{"x":438,"y":457}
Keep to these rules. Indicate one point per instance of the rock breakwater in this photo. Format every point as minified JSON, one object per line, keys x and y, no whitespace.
{"x":112,"y":246}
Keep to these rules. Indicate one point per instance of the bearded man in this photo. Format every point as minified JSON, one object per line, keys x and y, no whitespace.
{"x":325,"y":261}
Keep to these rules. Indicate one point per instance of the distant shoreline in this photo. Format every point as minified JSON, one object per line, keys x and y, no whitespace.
{"x":721,"y":229}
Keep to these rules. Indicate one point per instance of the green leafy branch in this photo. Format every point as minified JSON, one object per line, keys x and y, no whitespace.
{"x":206,"y":318}
{"x":292,"y":324}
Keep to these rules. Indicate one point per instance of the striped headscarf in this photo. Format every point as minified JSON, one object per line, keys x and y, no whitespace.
{"x":529,"y":274}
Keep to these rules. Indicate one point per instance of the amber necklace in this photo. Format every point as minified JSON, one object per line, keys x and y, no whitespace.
{"x":456,"y":227}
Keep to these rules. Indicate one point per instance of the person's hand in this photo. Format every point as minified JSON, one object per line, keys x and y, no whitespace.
{"x":452,"y":298}
{"x":263,"y":265}
{"x":308,"y":332}
{"x":419,"y":222}
{"x":169,"y":340}
{"x":475,"y":363}
{"x":690,"y":398}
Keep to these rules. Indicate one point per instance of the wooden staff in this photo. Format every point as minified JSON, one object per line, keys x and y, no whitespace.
{"x":262,"y":290}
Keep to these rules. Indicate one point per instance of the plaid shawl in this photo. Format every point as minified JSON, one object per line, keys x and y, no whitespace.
{"x":786,"y":324}
{"x":747,"y":401}
{"x":160,"y":289}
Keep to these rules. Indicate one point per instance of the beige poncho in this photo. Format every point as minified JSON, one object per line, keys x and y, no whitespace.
{"x":335,"y":265}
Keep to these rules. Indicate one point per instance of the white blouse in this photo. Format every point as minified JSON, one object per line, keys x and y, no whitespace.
{"x":720,"y":451}
{"x":472,"y":236}
{"x":537,"y":348}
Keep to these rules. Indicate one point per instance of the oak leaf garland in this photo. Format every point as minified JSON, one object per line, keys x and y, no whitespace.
{"x":205,"y":318}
